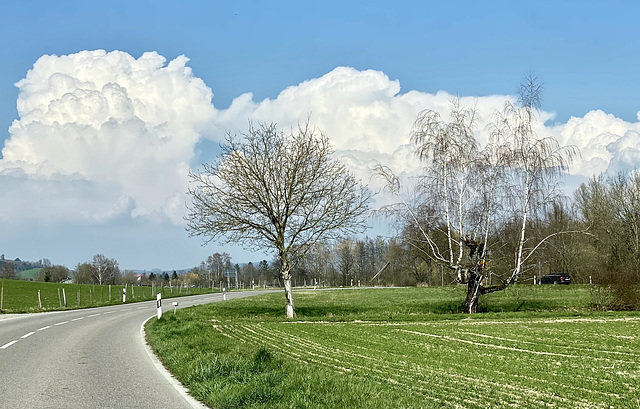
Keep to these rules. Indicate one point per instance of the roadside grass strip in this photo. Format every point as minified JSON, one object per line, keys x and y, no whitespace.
{"x":527,"y":363}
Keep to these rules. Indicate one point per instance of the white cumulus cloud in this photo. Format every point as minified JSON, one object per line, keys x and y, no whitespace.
{"x":103,"y":135}
{"x":125,"y":126}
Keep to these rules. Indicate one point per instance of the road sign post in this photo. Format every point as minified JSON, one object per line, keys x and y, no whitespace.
{"x":159,"y":304}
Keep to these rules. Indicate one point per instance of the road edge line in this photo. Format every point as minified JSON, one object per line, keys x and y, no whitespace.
{"x":182,"y":390}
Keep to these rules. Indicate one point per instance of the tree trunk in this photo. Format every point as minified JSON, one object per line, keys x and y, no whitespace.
{"x":290,"y":311}
{"x":474,"y":290}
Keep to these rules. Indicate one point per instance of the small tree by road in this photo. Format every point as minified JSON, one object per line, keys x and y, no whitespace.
{"x":276,"y":190}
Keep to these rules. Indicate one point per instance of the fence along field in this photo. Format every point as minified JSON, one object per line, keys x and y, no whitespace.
{"x":563,"y":359}
{"x":19,"y":296}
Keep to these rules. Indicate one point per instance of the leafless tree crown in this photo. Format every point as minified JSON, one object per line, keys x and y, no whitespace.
{"x":268,"y":188}
{"x":467,"y":191}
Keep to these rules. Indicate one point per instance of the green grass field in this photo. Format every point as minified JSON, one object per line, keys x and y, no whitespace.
{"x":31,"y":274}
{"x":535,"y":346}
{"x":22,"y":296}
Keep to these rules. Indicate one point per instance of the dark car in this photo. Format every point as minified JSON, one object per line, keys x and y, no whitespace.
{"x":556,"y":278}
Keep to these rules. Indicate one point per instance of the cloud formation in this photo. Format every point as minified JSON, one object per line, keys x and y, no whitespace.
{"x":117,"y":125}
{"x":103,"y":136}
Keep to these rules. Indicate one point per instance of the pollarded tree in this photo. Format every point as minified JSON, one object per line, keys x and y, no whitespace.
{"x":284,"y":191}
{"x":469,"y":191}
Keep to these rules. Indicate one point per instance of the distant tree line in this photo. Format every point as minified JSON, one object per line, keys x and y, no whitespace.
{"x":99,"y":270}
{"x":604,"y":250}
{"x":10,"y":268}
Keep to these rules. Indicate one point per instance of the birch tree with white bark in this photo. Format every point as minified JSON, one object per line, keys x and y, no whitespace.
{"x":468,"y":190}
{"x":268,"y":189}
{"x":104,"y":270}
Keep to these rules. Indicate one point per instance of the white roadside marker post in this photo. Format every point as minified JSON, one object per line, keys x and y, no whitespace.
{"x":159,"y":304}
{"x":175,"y":307}
{"x":224,"y":294}
{"x":124,"y":294}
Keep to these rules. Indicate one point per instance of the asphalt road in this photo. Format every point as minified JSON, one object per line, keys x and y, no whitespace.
{"x":92,"y":358}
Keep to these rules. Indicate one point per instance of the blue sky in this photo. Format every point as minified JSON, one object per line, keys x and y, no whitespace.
{"x":585,"y":53}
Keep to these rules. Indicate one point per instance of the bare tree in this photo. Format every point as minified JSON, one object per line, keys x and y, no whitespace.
{"x":468,"y":190}
{"x":611,"y":207}
{"x":105,"y":270}
{"x":283,"y":191}
{"x":346,"y":261}
{"x":216,"y":264}
{"x":54,"y":274}
{"x":8,"y":271}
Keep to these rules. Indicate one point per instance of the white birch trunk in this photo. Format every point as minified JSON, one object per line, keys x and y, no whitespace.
{"x":290,"y":311}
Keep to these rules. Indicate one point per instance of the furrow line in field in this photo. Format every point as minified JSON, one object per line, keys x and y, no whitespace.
{"x":581,"y":403}
{"x":572,"y":387}
{"x":275,"y":342}
{"x":557,"y":345}
{"x":515,"y":394}
{"x":503,"y":374}
{"x":403,"y":376}
{"x":220,"y":329}
{"x":506,"y":375}
{"x":585,"y":379}
{"x":328,"y":361}
{"x":372,"y":343}
{"x":552,"y":321}
{"x":508,"y":348}
{"x":478,"y":370}
{"x":577,"y":388}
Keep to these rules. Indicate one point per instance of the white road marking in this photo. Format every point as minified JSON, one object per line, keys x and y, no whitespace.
{"x":27,"y":335}
{"x":8,"y":344}
{"x":92,"y":315}
{"x":48,"y":326}
{"x":109,"y":312}
{"x":77,"y":319}
{"x":61,"y":323}
{"x":126,"y":309}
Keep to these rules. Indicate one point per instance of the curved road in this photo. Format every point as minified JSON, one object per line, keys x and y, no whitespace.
{"x":92,"y":358}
